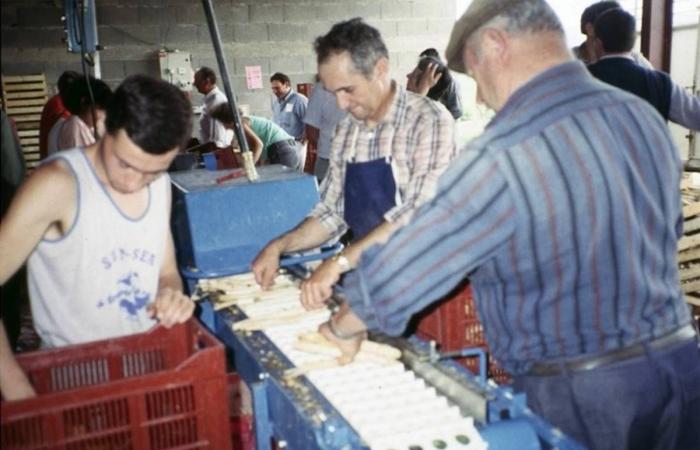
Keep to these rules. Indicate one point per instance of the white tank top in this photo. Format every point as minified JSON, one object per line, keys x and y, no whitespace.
{"x":95,"y":282}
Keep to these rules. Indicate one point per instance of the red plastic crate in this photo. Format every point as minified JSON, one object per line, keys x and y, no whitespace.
{"x":163,"y":389}
{"x":454,"y":324}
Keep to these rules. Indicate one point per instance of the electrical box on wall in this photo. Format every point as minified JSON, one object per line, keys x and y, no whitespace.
{"x":176,"y":68}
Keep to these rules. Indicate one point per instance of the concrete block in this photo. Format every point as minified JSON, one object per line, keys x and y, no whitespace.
{"x":179,"y":34}
{"x":288,"y":65}
{"x":432,"y":9}
{"x":204,"y":35}
{"x":370,"y":10}
{"x":266,"y":13}
{"x":316,"y":29}
{"x":240,"y":64}
{"x":394,"y":9}
{"x":441,"y":27}
{"x":142,"y":35}
{"x":410,"y":27}
{"x":190,"y":14}
{"x":387,"y":28}
{"x":24,"y":68}
{"x":310,"y":64}
{"x":205,"y":60}
{"x":239,"y":13}
{"x":286,"y":32}
{"x":117,"y":15}
{"x":33,"y":37}
{"x":9,"y":15}
{"x":110,"y":36}
{"x":146,"y":67}
{"x":113,"y":70}
{"x":150,"y":15}
{"x":11,"y":38}
{"x":300,"y":12}
{"x":39,"y":16}
{"x":250,"y":32}
{"x":46,"y":37}
{"x":336,"y":11}
{"x":130,"y":53}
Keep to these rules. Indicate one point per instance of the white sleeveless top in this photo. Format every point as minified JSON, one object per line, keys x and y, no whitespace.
{"x":95,"y":282}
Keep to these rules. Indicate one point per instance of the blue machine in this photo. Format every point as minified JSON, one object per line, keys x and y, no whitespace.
{"x":220,"y":227}
{"x":218,"y":230}
{"x":294,"y":412}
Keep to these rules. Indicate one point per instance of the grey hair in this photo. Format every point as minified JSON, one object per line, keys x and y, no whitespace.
{"x":361,"y":41}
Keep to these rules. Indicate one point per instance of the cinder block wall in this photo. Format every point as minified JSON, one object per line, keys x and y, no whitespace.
{"x":274,"y":34}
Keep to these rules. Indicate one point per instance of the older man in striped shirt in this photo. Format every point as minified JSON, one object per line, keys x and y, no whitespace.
{"x":565,"y":215}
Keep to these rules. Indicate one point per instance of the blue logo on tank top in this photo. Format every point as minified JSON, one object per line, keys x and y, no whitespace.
{"x":128,"y":294}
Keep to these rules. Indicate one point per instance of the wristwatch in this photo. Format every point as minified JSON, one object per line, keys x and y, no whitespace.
{"x":342,"y":261}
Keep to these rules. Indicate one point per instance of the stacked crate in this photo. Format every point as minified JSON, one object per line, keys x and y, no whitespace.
{"x":24,"y":97}
{"x":454,"y":325}
{"x":689,"y":244}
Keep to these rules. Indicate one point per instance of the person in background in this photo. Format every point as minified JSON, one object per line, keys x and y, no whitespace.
{"x":386,"y":156}
{"x":615,"y":33}
{"x":432,"y":79}
{"x":322,"y":116}
{"x":289,"y":108}
{"x":93,"y":225}
{"x":269,"y":143}
{"x":54,"y":109}
{"x":211,"y":131}
{"x":586,"y":52}
{"x":12,"y":173}
{"x":565,"y":215}
{"x":87,"y":115}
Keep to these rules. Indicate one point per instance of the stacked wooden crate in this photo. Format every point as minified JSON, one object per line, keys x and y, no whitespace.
{"x":689,"y":244}
{"x":24,"y":97}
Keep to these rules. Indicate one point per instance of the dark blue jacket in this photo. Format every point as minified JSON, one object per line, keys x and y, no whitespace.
{"x":652,"y":85}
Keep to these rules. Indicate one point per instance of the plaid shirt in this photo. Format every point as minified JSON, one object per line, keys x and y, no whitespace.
{"x":416,"y":135}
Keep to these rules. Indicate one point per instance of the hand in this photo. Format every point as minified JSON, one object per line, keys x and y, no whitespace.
{"x":319,"y":287}
{"x":345,"y":318}
{"x":16,"y":386}
{"x":266,"y":264}
{"x":171,"y":307}
{"x":428,"y":79}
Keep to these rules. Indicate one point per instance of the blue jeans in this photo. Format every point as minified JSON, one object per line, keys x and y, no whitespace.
{"x":651,"y":402}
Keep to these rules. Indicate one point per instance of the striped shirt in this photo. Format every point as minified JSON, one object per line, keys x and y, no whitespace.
{"x":416,"y":135}
{"x":564,"y":214}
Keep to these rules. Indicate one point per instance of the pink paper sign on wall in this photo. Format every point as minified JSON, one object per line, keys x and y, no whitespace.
{"x":253,"y":77}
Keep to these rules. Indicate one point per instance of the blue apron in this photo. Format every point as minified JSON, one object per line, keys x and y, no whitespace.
{"x":370,"y":191}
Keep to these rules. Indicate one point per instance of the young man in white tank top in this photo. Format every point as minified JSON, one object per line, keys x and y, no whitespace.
{"x":93,"y":225}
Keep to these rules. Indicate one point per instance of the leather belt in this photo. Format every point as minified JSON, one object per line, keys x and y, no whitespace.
{"x":593,"y":362}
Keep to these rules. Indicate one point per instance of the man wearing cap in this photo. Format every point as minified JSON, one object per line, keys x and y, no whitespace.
{"x":565,"y":215}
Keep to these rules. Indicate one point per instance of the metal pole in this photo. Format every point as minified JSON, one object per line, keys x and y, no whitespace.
{"x":223,"y":70}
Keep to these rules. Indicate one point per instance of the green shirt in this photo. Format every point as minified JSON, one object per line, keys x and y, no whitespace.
{"x":268,"y":132}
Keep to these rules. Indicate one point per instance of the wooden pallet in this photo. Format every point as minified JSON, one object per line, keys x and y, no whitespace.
{"x":24,"y":97}
{"x":689,"y":244}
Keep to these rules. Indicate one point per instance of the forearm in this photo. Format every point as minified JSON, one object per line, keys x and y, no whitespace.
{"x":14,"y":384}
{"x":171,"y":281}
{"x":377,"y":236}
{"x":255,"y":145}
{"x":308,"y":234}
